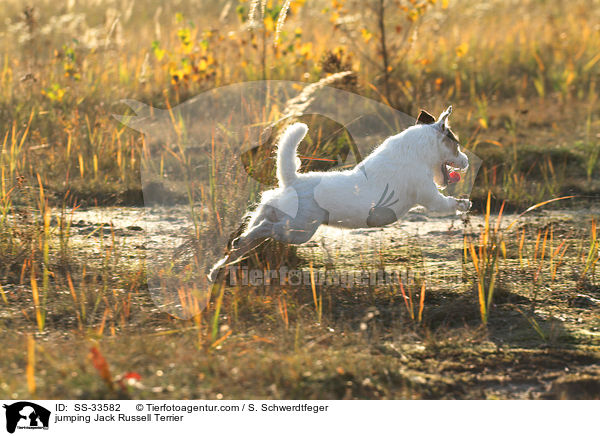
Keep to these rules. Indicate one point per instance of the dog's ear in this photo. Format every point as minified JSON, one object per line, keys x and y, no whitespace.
{"x":443,"y":119}
{"x":425,"y":118}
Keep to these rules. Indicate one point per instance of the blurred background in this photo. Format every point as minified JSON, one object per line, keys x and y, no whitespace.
{"x":522,"y":76}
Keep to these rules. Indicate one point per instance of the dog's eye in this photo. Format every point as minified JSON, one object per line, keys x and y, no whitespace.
{"x":451,"y":135}
{"x":453,"y":140}
{"x":453,"y":146}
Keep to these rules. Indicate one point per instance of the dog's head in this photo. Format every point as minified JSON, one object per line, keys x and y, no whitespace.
{"x":447,"y":146}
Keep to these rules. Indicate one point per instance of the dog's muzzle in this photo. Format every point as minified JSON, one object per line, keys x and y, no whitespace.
{"x":449,"y":166}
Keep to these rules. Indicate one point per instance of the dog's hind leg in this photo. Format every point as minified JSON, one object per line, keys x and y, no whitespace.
{"x":300,"y":228}
{"x":269,"y":222}
{"x":287,"y":233}
{"x":233,"y":257}
{"x":239,"y":232}
{"x":216,"y":269}
{"x":248,"y":241}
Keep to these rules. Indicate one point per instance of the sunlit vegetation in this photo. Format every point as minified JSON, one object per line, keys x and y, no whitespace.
{"x":523,"y":78}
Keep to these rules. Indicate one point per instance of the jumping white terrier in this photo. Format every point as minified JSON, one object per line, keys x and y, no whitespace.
{"x":406,"y":170}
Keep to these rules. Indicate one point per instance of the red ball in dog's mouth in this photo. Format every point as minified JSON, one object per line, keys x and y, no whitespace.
{"x":454,"y":177}
{"x":449,"y":176}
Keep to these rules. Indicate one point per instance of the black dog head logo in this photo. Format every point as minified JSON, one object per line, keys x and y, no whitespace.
{"x":26,"y":414}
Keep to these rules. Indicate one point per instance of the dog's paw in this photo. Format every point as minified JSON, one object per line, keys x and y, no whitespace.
{"x":463,"y":205}
{"x":213,"y":274}
{"x":235,"y":244}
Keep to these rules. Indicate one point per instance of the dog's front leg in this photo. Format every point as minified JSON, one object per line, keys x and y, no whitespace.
{"x":436,"y":202}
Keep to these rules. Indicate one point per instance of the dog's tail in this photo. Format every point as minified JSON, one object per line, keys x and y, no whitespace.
{"x":287,"y":159}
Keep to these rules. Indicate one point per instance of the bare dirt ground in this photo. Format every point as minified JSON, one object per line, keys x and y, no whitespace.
{"x":541,"y":341}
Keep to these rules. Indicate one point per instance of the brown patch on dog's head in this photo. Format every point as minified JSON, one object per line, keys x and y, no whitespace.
{"x":452,"y":141}
{"x":425,"y":118}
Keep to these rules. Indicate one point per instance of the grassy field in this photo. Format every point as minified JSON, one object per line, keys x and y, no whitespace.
{"x":516,"y":316}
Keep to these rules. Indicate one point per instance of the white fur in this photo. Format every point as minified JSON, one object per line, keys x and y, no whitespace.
{"x":287,"y":158}
{"x":403,"y":172}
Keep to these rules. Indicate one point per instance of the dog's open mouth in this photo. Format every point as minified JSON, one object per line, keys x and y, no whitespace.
{"x":447,"y":171}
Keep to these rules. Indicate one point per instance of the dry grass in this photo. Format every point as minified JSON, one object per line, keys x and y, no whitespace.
{"x":524,"y":77}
